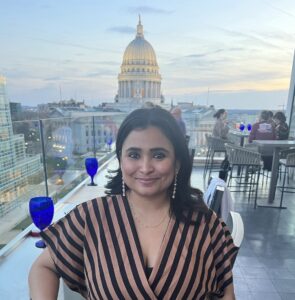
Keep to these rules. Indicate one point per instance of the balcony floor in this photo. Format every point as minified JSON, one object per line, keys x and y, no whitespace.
{"x":265,"y":265}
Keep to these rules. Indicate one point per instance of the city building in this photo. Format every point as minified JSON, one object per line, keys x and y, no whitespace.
{"x":139,"y":80}
{"x":16,"y":167}
{"x":15,"y":110}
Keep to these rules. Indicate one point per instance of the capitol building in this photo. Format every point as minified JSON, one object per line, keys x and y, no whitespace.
{"x":139,"y":79}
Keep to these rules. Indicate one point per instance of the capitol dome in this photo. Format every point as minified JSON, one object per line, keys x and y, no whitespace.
{"x":140,"y":51}
{"x":139,"y":80}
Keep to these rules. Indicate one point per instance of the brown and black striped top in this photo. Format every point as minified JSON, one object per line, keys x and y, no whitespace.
{"x":97,"y":252}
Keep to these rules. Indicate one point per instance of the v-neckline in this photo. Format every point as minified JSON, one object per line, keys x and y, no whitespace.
{"x":135,"y":236}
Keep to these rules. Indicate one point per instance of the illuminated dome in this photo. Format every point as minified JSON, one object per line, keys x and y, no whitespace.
{"x":140,"y":51}
{"x":139,"y":80}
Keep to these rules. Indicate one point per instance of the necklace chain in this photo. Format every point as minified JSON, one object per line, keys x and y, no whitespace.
{"x":138,"y":219}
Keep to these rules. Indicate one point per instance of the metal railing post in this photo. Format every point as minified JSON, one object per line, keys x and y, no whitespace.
{"x":93,"y":130}
{"x":43,"y":155}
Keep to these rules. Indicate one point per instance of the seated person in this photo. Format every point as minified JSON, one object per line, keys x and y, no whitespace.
{"x":221,"y":128}
{"x":263,"y":130}
{"x":281,"y":127}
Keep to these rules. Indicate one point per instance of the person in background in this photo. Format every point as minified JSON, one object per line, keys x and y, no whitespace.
{"x":150,"y":237}
{"x":177,"y":114}
{"x":270,"y":118}
{"x":264,"y":130}
{"x":148,"y":104}
{"x":221,"y":127}
{"x":281,"y":127}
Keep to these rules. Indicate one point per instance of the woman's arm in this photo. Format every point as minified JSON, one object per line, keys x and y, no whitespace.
{"x":43,"y":278}
{"x":229,"y":293}
{"x":224,"y":129}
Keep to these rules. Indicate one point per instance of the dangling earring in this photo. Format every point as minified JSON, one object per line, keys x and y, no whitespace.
{"x":123,"y":187}
{"x":175,"y":185}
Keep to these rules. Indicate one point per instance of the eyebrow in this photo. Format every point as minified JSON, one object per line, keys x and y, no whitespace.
{"x":152,"y":149}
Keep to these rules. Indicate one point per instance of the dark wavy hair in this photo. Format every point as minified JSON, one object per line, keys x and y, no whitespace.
{"x":280,"y":116}
{"x":219,"y":113}
{"x":186,"y":198}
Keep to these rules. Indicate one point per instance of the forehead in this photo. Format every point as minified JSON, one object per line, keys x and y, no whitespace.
{"x":151,"y":137}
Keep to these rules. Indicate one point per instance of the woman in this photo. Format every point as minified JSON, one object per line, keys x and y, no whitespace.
{"x":281,"y":127}
{"x":151,"y":237}
{"x":221,"y":128}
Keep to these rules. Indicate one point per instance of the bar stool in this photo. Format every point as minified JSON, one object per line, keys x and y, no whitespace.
{"x":215,"y":146}
{"x":288,"y":163}
{"x":249,"y":162}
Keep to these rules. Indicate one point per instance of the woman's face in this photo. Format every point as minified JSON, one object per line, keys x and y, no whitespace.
{"x":224,"y":115}
{"x":148,"y":162}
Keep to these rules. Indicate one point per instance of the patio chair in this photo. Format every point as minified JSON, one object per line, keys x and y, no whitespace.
{"x":250,"y":164}
{"x":288,"y":163}
{"x":215,"y":146}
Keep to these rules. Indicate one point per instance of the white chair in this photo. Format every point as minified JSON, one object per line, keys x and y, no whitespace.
{"x":218,"y":198}
{"x":236,"y":227}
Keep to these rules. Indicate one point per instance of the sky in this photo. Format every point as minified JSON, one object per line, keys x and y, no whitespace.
{"x":227,"y":53}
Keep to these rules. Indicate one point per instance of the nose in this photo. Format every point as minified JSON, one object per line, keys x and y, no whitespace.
{"x":146,"y":165}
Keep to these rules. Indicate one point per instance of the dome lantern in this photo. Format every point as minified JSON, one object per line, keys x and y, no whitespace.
{"x":139,"y":28}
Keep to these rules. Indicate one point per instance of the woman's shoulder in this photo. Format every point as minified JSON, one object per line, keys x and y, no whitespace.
{"x":202,"y":216}
{"x":89,"y":205}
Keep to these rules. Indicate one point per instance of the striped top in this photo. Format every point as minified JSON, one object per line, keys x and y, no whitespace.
{"x":96,"y":250}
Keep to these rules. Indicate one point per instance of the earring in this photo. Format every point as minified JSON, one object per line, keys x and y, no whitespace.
{"x":123,"y":187}
{"x":174,"y":187}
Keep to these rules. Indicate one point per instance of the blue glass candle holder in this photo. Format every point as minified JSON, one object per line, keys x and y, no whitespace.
{"x":41,"y":211}
{"x":109,"y":142}
{"x":242,"y":127}
{"x":249,"y":127}
{"x":91,"y":165}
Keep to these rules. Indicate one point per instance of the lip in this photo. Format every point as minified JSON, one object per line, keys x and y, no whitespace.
{"x":146,"y":180}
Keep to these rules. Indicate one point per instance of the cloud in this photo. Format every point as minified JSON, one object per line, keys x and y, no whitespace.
{"x":287,"y":13}
{"x":121,"y":29}
{"x":54,"y":78}
{"x":101,"y":73}
{"x":148,"y":10}
{"x":69,"y":44}
{"x":249,"y":37}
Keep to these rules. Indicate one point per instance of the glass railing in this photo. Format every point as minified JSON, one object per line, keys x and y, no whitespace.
{"x":46,"y":157}
{"x":201,"y":123}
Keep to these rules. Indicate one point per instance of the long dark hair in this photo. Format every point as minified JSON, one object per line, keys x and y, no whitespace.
{"x":219,"y":113}
{"x":186,"y":198}
{"x":280,"y":116}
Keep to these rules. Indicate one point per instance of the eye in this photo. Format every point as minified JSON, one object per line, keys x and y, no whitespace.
{"x":159,"y":155}
{"x":133,"y":155}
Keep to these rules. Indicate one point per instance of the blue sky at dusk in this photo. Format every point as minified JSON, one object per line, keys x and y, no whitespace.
{"x":239,"y":51}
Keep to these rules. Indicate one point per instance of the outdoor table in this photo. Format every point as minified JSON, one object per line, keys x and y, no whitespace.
{"x":276,"y":146}
{"x":241,"y":135}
